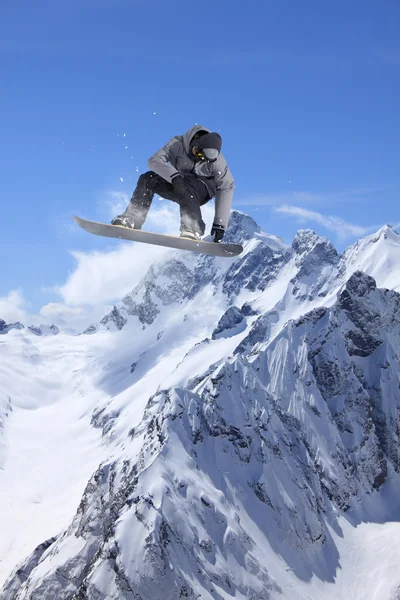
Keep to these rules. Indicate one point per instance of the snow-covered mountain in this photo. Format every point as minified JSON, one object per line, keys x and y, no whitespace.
{"x":36,"y":329}
{"x":229,"y":430}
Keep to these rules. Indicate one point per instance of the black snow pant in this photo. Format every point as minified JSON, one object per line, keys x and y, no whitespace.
{"x":150,"y":183}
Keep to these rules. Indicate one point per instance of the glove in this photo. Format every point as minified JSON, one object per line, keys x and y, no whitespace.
{"x":218,"y":232}
{"x":178,"y":183}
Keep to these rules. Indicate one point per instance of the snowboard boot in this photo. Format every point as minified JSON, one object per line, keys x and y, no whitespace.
{"x":191,"y":235}
{"x":123,"y":222}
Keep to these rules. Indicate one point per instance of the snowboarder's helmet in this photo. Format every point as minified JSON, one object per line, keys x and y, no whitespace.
{"x":208,"y":146}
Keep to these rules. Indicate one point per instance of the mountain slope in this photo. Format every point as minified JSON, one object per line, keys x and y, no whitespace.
{"x":237,"y":442}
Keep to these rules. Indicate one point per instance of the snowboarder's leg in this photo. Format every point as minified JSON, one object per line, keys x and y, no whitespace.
{"x":139,"y":205}
{"x":196,"y":196}
{"x":191,"y":219}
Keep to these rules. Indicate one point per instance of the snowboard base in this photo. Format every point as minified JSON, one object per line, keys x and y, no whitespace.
{"x":159,"y":239}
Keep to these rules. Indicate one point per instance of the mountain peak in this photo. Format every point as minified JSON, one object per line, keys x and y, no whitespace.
{"x":44,"y":329}
{"x":313,"y":253}
{"x":306,"y":240}
{"x":385,"y":233}
{"x":5,"y":328}
{"x":360,"y":284}
{"x":388,"y":232}
{"x":242,"y":228}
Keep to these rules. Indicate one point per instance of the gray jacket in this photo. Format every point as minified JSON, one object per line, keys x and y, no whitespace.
{"x":175,"y":157}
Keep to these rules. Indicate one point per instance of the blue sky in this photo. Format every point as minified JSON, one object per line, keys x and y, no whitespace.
{"x":305,"y":96}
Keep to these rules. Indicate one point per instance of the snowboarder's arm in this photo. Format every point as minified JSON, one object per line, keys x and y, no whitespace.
{"x":160,"y":162}
{"x":224,"y":194}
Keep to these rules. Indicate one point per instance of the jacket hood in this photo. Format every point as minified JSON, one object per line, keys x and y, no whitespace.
{"x":188,"y":136}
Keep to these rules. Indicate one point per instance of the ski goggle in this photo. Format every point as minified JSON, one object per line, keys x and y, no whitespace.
{"x":209,"y":154}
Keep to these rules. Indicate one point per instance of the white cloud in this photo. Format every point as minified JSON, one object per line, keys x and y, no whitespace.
{"x":13,"y":307}
{"x":342,"y":228}
{"x":103,"y":277}
{"x":72,"y":318}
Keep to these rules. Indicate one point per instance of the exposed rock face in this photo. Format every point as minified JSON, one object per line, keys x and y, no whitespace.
{"x":4,"y":328}
{"x":22,"y":574}
{"x":315,"y":259}
{"x":38,"y":330}
{"x":115,"y":317}
{"x":44,"y":330}
{"x":163,"y":285}
{"x":254,"y":271}
{"x":256,"y":450}
{"x":229,"y":321}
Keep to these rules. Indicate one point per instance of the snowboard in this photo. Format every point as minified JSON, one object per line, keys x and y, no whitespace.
{"x":159,"y":239}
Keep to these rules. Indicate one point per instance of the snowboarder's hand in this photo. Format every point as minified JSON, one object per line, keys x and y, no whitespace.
{"x":218,"y":232}
{"x":179,"y":186}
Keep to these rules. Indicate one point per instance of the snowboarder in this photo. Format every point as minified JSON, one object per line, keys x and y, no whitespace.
{"x":189,"y":170}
